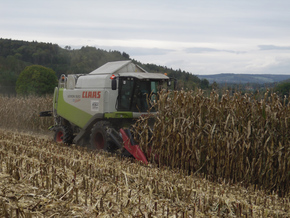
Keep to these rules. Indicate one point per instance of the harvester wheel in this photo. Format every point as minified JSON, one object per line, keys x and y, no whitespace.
{"x":100,"y":139}
{"x":63,"y":134}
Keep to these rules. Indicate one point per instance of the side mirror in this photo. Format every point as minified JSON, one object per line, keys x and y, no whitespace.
{"x":114,"y":83}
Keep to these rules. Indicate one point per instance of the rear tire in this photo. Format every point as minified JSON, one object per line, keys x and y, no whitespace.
{"x":100,"y":139}
{"x":63,"y":134}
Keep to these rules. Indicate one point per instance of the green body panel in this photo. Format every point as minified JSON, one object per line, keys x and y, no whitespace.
{"x":71,"y":113}
{"x":119,"y":114}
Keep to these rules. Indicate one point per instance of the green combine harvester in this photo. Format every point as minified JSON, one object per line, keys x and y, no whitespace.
{"x":97,"y":109}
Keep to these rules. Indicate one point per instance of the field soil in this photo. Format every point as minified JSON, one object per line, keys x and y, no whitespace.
{"x":39,"y":178}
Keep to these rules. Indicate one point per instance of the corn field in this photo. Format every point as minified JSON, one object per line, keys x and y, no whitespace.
{"x":235,"y":138}
{"x":22,"y":113}
{"x":218,"y":156}
{"x":39,"y":178}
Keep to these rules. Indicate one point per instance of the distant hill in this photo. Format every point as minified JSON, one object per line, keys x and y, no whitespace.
{"x":231,"y":78}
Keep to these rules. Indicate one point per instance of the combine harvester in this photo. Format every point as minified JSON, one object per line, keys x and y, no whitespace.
{"x":97,"y":109}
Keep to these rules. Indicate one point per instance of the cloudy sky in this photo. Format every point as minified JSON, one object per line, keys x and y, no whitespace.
{"x":198,"y":36}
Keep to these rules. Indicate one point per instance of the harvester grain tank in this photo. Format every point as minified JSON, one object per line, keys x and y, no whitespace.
{"x":97,"y":109}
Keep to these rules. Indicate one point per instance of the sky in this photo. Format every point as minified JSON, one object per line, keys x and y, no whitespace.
{"x":197,"y":36}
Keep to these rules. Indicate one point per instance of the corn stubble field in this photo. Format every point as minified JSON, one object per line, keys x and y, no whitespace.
{"x":218,"y":156}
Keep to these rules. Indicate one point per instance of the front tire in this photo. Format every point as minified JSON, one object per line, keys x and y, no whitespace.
{"x":100,"y":139}
{"x":63,"y":134}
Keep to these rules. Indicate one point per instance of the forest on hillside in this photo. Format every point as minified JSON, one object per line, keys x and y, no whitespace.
{"x":15,"y":55}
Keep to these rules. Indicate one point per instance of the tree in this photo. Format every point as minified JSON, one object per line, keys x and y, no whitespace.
{"x":36,"y":79}
{"x":204,"y":84}
{"x":125,"y":55}
{"x":283,"y":89}
{"x":7,"y":78}
{"x":214,"y":85}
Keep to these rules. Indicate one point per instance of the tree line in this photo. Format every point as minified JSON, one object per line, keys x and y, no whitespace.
{"x":16,"y":55}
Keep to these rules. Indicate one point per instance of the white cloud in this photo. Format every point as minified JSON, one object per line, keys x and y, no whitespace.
{"x":274,"y":47}
{"x":210,"y":50}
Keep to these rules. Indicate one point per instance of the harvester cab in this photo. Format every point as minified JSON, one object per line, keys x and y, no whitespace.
{"x":97,"y":109}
